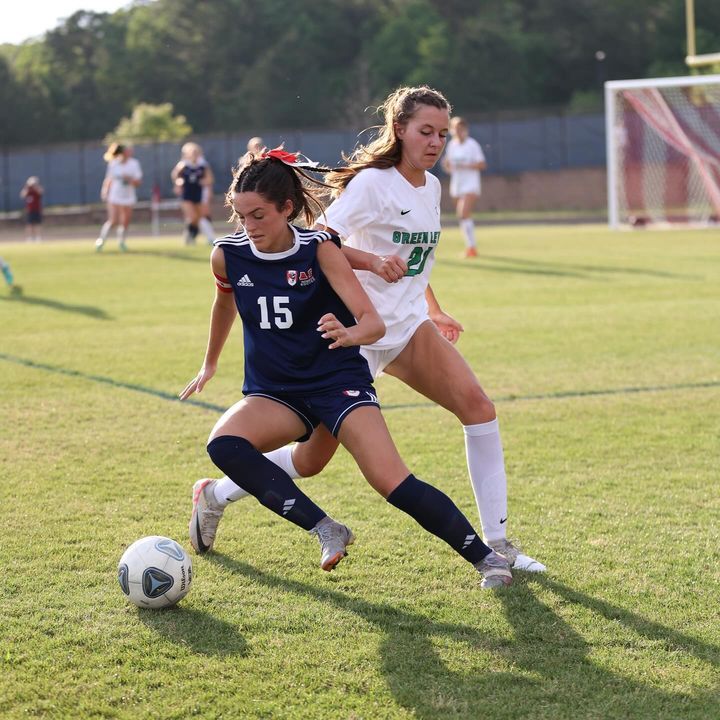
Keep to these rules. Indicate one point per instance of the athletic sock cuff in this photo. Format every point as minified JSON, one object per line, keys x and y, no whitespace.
{"x":481,"y":428}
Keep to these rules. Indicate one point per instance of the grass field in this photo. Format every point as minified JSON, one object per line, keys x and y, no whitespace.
{"x":602,"y":352}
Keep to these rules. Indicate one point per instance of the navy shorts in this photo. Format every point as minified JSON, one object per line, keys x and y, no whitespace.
{"x":329,"y":408}
{"x":33,"y":217}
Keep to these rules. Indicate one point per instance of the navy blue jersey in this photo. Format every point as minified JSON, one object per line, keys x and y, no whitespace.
{"x":280,"y":298}
{"x":192,"y":185}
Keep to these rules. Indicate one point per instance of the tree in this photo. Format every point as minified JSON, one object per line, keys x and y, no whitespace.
{"x":151,"y":123}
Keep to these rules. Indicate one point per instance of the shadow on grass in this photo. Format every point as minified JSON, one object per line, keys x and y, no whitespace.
{"x":551,"y":666}
{"x":540,"y":267}
{"x":575,"y":681}
{"x":87,"y":310}
{"x":200,"y":631}
{"x":417,"y":676}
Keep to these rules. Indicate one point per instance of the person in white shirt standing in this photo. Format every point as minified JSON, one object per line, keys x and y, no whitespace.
{"x":387,"y":209}
{"x":123,"y":175}
{"x":464,"y":159}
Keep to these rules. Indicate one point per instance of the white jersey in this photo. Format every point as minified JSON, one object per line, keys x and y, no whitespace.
{"x":122,"y":191}
{"x":464,"y":180}
{"x":380,"y":212}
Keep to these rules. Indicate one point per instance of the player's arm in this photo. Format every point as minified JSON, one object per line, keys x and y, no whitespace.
{"x":208,"y":178}
{"x":370,"y":326}
{"x":449,"y":328}
{"x":222,"y":317}
{"x":390,"y":268}
{"x":137,"y":178}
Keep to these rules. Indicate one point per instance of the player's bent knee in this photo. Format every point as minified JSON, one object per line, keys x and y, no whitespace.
{"x":308,"y":466}
{"x":476,"y":407}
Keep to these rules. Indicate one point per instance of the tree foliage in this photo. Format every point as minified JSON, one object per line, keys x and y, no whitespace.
{"x":241,"y":64}
{"x":151,"y":123}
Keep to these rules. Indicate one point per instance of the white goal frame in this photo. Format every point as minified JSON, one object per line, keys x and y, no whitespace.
{"x":612,"y":88}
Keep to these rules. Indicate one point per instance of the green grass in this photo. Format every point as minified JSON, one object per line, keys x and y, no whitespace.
{"x":602,"y":352}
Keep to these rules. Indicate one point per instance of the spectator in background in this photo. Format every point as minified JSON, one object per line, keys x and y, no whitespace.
{"x":190,"y":176}
{"x":32,"y":192}
{"x":123,"y":175}
{"x":464,"y":159}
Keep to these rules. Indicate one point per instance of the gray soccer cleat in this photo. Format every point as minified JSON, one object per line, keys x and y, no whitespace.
{"x":334,"y":538}
{"x":206,"y":515}
{"x":517,"y":559}
{"x":495,"y":571}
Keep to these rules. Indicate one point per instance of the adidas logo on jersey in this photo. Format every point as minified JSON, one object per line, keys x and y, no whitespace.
{"x":245,"y":281}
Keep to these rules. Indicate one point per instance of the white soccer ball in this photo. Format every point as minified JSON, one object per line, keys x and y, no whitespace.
{"x":155,"y":572}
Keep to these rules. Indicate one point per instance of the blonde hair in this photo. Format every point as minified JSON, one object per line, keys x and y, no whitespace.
{"x":385,"y":150}
{"x":189,"y":148}
{"x":456,"y":122}
{"x":113,"y":151}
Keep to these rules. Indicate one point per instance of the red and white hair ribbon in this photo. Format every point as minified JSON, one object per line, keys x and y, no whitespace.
{"x":293,"y":159}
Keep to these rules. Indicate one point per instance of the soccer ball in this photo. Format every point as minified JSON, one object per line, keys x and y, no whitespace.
{"x":155,"y":572}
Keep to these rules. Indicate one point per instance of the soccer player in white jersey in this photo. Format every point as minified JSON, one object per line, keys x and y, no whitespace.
{"x":387,"y":209}
{"x":464,"y":159}
{"x":123,"y":175}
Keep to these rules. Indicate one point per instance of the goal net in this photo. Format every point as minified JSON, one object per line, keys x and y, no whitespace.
{"x":663,"y":150}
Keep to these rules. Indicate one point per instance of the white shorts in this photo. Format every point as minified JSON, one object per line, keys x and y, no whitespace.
{"x":120,"y":195}
{"x":379,"y":359}
{"x":464,"y":185}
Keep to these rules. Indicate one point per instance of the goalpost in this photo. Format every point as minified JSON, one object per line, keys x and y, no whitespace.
{"x":663,"y":144}
{"x":663,"y":150}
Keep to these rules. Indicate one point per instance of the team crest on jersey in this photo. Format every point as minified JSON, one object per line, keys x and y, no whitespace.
{"x":305,"y":277}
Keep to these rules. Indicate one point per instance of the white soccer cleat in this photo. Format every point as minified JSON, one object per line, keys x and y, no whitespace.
{"x":334,"y":538}
{"x":206,"y":515}
{"x":517,"y":559}
{"x":495,"y":571}
{"x":99,"y":244}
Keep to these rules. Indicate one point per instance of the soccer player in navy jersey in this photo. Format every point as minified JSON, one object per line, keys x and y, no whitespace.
{"x":304,"y":316}
{"x":193,"y":179}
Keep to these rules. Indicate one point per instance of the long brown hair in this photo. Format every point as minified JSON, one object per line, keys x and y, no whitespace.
{"x":277,"y":182}
{"x":385,"y":150}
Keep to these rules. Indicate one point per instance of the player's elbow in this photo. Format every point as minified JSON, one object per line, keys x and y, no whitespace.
{"x":377,"y":330}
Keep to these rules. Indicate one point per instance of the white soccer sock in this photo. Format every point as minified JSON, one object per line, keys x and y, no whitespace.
{"x":227,"y":491}
{"x":486,"y":465}
{"x":282,"y":457}
{"x":105,"y":229}
{"x":121,"y":233}
{"x":207,"y":229}
{"x":468,"y":228}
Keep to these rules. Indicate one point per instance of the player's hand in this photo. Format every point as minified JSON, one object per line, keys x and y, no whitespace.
{"x":390,"y":268}
{"x":198,"y":382}
{"x":449,"y":328}
{"x":332,"y":329}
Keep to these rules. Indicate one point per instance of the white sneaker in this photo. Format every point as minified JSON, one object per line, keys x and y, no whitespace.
{"x":334,"y":538}
{"x":517,"y":559}
{"x":99,"y":244}
{"x":206,"y":515}
{"x":495,"y":571}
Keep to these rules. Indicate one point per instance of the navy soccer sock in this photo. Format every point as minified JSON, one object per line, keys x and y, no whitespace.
{"x":270,"y":484}
{"x":438,"y":514}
